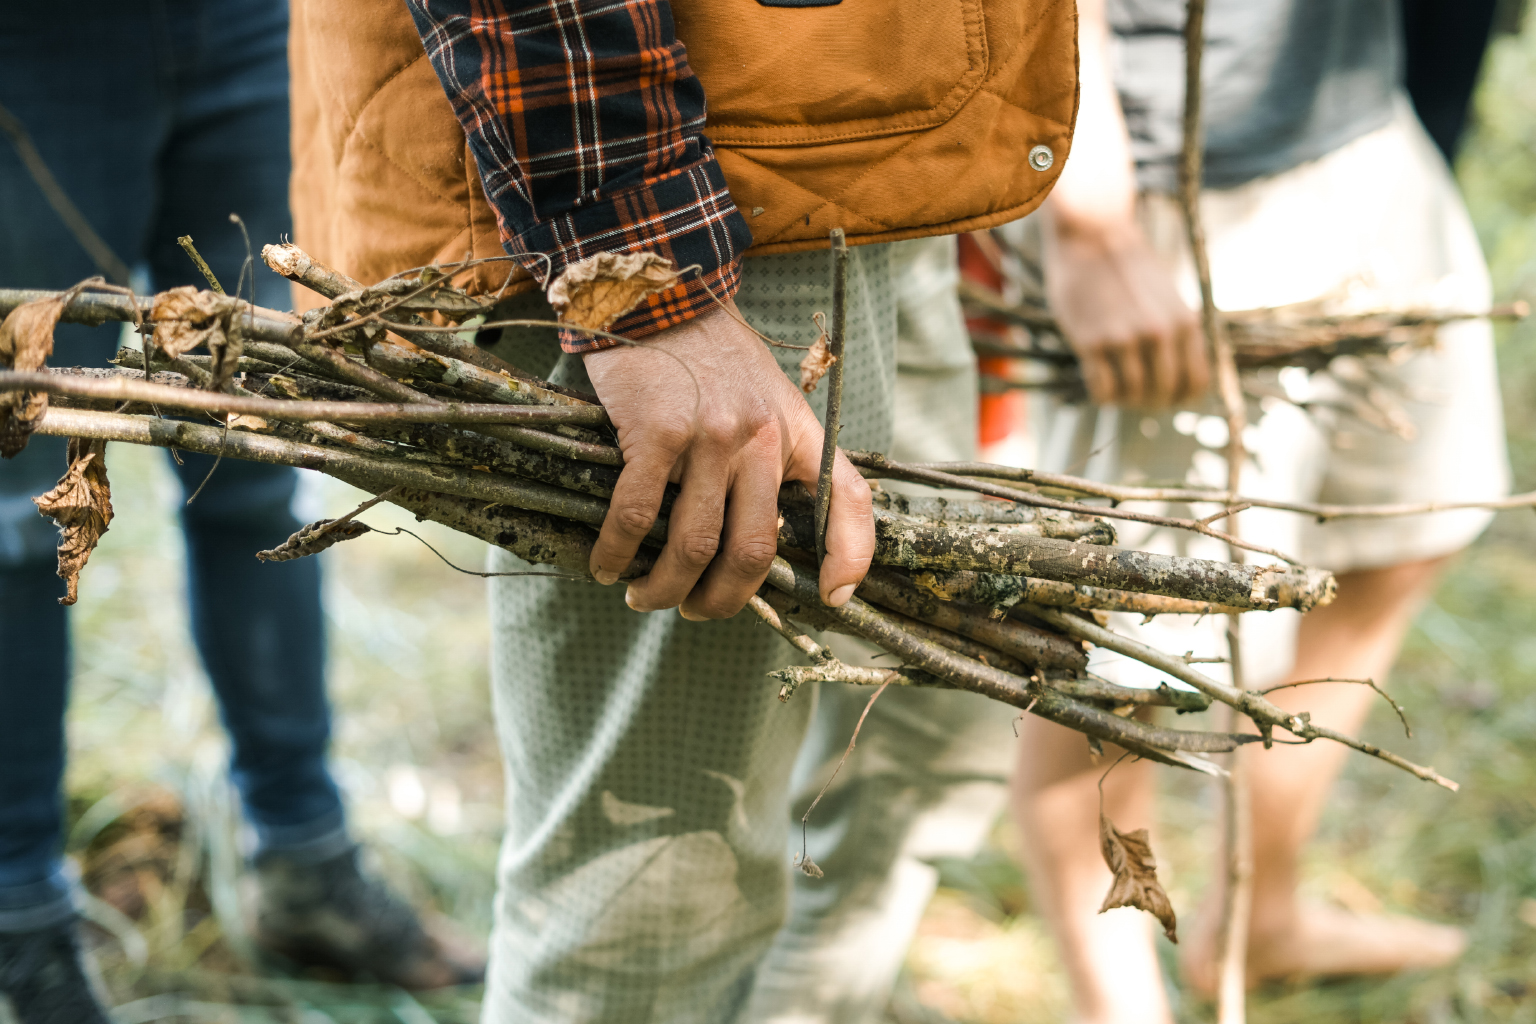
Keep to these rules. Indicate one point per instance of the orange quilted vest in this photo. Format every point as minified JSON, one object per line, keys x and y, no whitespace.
{"x":888,"y":118}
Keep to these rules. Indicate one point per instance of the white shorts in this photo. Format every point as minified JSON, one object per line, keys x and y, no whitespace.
{"x":1376,"y":224}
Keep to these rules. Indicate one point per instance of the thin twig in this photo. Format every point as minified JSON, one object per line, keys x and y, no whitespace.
{"x":797,"y":639}
{"x":361,"y":508}
{"x":1402,"y":713}
{"x":471,"y":572}
{"x":185,"y":241}
{"x":1123,"y":755}
{"x":562,"y":325}
{"x":1221,"y":514}
{"x":737,"y":316}
{"x":1263,"y":713}
{"x":217,"y":461}
{"x":1124,"y":493}
{"x":803,"y":861}
{"x":1231,"y":991}
{"x":100,"y":252}
{"x":835,"y":345}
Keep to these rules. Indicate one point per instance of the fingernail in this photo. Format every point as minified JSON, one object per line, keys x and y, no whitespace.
{"x":689,"y":615}
{"x":841,"y":595}
{"x":633,"y":601}
{"x":605,"y":577}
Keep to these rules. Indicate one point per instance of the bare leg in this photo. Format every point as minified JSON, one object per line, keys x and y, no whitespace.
{"x":1356,"y":637}
{"x":1110,"y":958}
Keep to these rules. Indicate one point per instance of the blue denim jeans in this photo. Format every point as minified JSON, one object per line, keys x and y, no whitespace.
{"x":159,"y":118}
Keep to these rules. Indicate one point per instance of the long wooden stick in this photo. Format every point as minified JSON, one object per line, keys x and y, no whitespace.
{"x":1231,"y":989}
{"x":834,"y":419}
{"x":122,"y":389}
{"x":1199,"y":495}
{"x":881,"y":466}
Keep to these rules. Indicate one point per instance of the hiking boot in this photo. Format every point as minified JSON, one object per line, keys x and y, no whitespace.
{"x":43,"y":975}
{"x":331,"y":915}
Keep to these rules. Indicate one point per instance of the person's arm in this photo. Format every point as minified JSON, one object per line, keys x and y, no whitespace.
{"x":1139,"y":344}
{"x":586,"y":120}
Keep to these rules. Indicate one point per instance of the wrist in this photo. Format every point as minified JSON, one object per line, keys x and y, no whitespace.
{"x":1107,"y":231}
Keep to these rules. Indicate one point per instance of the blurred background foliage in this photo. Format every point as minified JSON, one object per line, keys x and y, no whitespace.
{"x":155,"y":827}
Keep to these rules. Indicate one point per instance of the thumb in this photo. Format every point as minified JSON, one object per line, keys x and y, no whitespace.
{"x":850,"y":518}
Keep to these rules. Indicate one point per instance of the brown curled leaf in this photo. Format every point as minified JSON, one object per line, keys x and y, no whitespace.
{"x":81,"y":504}
{"x":186,"y":318}
{"x":598,"y":290}
{"x":313,"y":539}
{"x":1129,"y":856}
{"x":26,"y":342}
{"x":818,"y":360}
{"x":226,"y":349}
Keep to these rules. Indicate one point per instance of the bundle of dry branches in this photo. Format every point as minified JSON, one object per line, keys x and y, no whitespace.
{"x":1001,"y":595}
{"x":1305,"y":334}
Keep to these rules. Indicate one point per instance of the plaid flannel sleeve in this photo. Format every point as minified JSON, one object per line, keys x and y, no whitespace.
{"x":586,"y":122}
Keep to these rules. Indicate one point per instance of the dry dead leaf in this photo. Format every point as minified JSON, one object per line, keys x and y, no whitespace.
{"x":313,"y":539}
{"x":186,"y":317}
{"x":818,"y":360}
{"x":809,"y":867}
{"x":81,"y":504}
{"x":26,"y":342}
{"x":1129,"y":856}
{"x":226,"y":349}
{"x":598,"y":290}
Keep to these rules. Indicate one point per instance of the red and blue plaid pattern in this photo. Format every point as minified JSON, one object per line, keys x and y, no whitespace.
{"x":586,"y":122}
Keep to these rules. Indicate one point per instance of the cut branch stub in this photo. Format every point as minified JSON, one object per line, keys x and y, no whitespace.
{"x":81,"y":504}
{"x":1129,"y":856}
{"x":596,"y":291}
{"x":26,"y":342}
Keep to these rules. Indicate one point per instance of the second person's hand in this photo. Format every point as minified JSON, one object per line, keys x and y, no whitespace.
{"x":1137,"y":341}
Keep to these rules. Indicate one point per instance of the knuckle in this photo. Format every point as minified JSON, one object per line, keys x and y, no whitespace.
{"x":671,"y":438}
{"x":761,"y":422}
{"x":664,"y":435}
{"x":848,"y":476}
{"x":634,"y":518}
{"x":696,"y":550}
{"x":719,"y":429}
{"x":753,"y":557}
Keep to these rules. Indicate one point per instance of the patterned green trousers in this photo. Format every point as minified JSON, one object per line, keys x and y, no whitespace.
{"x":655,"y":782}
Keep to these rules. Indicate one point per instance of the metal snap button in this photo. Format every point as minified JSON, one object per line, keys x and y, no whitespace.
{"x":1041,"y":158}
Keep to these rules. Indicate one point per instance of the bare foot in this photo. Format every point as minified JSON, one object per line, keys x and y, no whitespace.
{"x":1326,"y":941}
